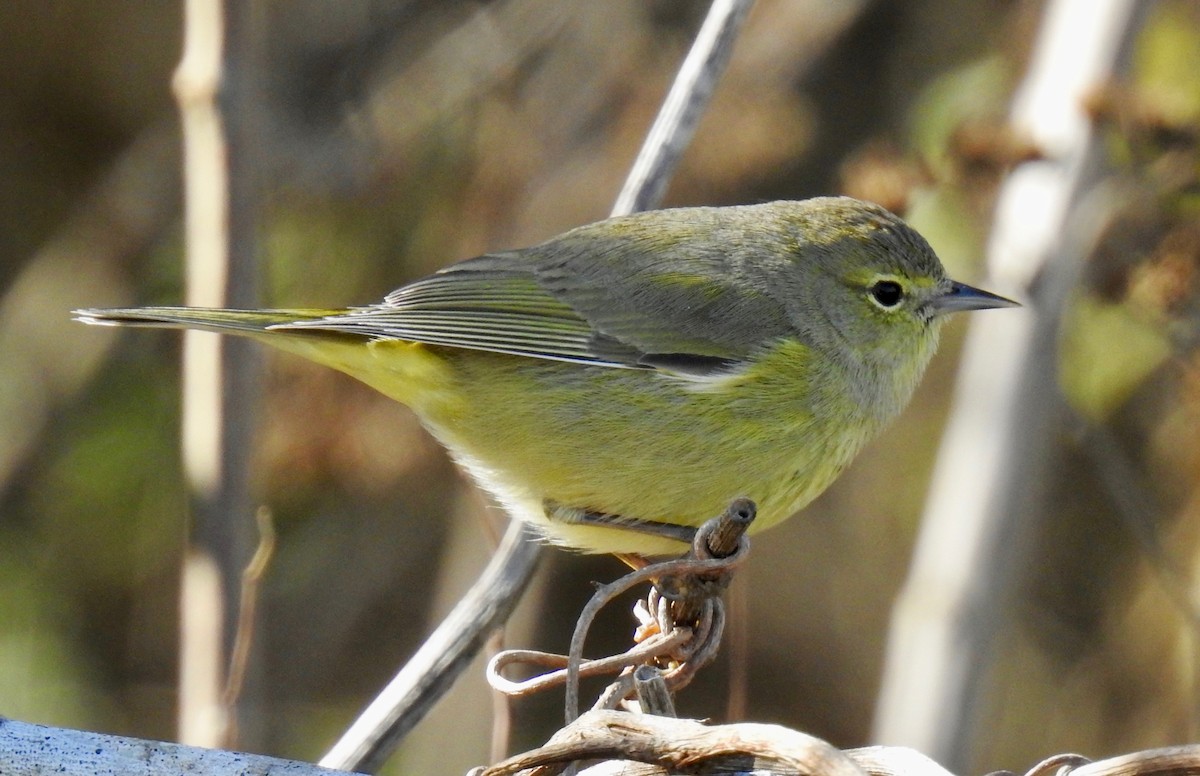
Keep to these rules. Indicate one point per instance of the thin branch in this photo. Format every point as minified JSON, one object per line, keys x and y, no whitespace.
{"x":247,"y":614}
{"x":988,"y":469}
{"x":685,"y":104}
{"x":220,"y":378}
{"x":430,"y":672}
{"x":502,"y":714}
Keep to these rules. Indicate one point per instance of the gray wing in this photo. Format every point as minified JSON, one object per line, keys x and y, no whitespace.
{"x":588,"y":297}
{"x":502,"y":312}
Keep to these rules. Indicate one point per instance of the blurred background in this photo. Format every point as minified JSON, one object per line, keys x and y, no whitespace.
{"x":397,"y":137}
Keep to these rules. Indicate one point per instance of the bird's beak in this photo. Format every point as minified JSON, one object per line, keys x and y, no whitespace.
{"x":961,"y":297}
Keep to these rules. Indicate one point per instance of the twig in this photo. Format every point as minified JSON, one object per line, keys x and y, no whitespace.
{"x":1168,"y":761}
{"x":443,"y":656}
{"x":682,"y":635}
{"x":252,"y":576}
{"x":641,"y":653}
{"x":987,"y":473}
{"x":685,"y":104}
{"x":502,"y":715}
{"x":653,"y":694}
{"x":220,"y":380}
{"x":695,"y":578}
{"x":737,"y":653}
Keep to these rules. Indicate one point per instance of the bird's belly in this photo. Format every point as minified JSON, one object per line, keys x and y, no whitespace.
{"x":634,"y":444}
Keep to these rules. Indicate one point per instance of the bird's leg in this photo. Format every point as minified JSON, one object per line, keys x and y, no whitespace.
{"x":631,"y":560}
{"x":572,"y":516}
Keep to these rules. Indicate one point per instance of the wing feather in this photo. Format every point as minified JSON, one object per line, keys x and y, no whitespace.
{"x":503,"y":313}
{"x":666,"y":291}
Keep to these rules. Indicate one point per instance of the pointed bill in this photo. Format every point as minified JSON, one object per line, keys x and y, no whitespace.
{"x":962,"y":297}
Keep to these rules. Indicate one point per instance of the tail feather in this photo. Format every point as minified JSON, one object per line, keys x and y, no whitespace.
{"x":208,"y":319}
{"x":411,"y":375}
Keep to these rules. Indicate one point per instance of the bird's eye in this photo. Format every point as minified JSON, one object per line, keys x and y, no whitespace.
{"x":886,"y":293}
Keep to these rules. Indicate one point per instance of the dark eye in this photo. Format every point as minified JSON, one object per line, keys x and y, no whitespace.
{"x":887,"y":293}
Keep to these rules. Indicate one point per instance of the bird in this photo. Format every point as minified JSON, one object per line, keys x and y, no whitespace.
{"x":618,"y":385}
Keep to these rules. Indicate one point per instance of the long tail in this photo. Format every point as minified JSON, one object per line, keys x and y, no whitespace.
{"x":208,"y":319}
{"x":405,"y":371}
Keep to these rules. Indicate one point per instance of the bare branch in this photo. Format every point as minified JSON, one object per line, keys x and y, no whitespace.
{"x":681,"y":112}
{"x":220,"y":378}
{"x":440,"y":660}
{"x":977,"y":515}
{"x":677,"y":744}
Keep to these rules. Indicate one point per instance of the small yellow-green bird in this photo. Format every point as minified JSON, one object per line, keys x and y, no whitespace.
{"x":621,"y":383}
